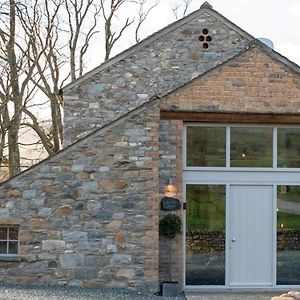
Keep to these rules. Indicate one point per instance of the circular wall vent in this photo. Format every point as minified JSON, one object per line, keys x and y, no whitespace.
{"x":205,"y":38}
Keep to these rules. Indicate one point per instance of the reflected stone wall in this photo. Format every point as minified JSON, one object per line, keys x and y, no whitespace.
{"x":205,"y":241}
{"x":214,"y":241}
{"x":288,"y":239}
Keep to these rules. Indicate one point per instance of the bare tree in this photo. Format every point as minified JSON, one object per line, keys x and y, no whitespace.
{"x":56,"y":46}
{"x":143,"y":13}
{"x":109,"y":10}
{"x":4,"y":114}
{"x":79,"y":41}
{"x":180,"y":8}
{"x":39,"y":24}
{"x":35,"y":52}
{"x":12,"y":90}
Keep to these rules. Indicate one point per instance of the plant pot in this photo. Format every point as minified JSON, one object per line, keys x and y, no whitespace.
{"x":171,"y":289}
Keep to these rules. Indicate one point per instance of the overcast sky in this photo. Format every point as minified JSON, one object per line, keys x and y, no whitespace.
{"x":278,"y":20}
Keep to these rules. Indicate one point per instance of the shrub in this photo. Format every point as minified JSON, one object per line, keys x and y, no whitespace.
{"x":170,"y":225}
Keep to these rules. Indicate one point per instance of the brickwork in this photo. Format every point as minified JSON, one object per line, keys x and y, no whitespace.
{"x":89,"y":215}
{"x":157,"y":68}
{"x":253,"y":82}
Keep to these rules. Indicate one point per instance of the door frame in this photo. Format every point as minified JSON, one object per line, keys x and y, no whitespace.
{"x":236,"y":176}
{"x":227,"y":184}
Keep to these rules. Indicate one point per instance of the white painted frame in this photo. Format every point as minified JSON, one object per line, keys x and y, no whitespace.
{"x":227,"y":165}
{"x":234,"y":176}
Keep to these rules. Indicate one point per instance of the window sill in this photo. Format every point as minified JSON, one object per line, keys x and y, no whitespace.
{"x":9,"y":258}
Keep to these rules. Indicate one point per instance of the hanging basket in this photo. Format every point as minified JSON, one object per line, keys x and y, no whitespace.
{"x":170,"y":225}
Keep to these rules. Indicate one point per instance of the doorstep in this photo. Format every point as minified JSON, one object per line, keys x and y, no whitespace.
{"x":232,"y":295}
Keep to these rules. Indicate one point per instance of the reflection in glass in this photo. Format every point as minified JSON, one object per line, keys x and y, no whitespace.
{"x":3,"y":247}
{"x":13,"y":247}
{"x":13,"y":233}
{"x":288,"y":147}
{"x":288,"y":235}
{"x":3,"y":233}
{"x":206,"y":146}
{"x":205,"y":235}
{"x":251,"y":147}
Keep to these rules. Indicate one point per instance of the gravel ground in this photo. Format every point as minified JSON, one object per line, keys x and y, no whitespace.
{"x":68,"y":293}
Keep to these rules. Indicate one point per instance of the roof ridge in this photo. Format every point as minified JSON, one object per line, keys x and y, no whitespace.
{"x":106,"y":126}
{"x":206,"y":7}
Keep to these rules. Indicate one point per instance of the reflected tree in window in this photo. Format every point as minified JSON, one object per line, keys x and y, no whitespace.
{"x":206,"y":146}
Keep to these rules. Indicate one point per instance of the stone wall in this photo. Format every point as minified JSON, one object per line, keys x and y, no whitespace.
{"x":170,"y":152}
{"x":159,"y":64}
{"x":88,"y":216}
{"x":253,"y":82}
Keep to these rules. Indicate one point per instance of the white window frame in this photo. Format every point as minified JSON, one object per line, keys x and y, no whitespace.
{"x":227,"y":167}
{"x":8,"y":240}
{"x":237,"y":175}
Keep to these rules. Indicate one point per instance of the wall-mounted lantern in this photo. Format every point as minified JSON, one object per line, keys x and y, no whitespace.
{"x":169,"y":202}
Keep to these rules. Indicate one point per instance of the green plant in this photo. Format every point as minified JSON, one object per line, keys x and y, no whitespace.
{"x":170,"y":225}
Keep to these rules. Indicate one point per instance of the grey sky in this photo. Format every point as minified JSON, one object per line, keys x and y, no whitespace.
{"x":278,"y":20}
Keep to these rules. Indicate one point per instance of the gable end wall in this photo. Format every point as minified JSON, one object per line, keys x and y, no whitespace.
{"x":89,"y":215}
{"x":156,"y":69}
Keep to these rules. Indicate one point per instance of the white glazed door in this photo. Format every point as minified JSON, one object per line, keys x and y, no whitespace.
{"x":250,"y":235}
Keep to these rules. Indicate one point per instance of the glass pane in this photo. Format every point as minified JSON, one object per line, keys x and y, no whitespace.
{"x":3,"y":247}
{"x":3,"y":233}
{"x":206,"y":146}
{"x":205,"y":235}
{"x":288,"y":235}
{"x":288,"y":147}
{"x":13,"y":233}
{"x":251,"y":147}
{"x":13,"y":248}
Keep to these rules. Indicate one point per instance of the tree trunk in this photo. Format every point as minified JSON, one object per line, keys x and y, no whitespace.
{"x":13,"y":130}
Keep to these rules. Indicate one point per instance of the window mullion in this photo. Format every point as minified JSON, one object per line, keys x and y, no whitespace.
{"x":7,"y":242}
{"x":227,"y":146}
{"x":275,"y":147}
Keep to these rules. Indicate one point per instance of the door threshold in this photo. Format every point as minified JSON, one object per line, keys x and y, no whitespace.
{"x":241,"y":290}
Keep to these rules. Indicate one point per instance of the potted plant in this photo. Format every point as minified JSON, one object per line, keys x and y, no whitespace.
{"x":169,"y":226}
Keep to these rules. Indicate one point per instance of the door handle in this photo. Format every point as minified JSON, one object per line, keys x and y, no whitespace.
{"x":233,"y":240}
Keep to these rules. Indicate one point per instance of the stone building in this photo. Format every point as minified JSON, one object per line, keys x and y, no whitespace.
{"x":202,"y":105}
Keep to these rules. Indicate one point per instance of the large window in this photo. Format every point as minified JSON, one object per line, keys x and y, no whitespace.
{"x":251,"y":147}
{"x":288,"y":235}
{"x":288,"y":147}
{"x":206,"y":146}
{"x":205,"y":234}
{"x":239,"y":146}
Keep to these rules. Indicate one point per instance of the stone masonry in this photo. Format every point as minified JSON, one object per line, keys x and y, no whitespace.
{"x":170,"y":151}
{"x":88,"y":216}
{"x":161,"y":63}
